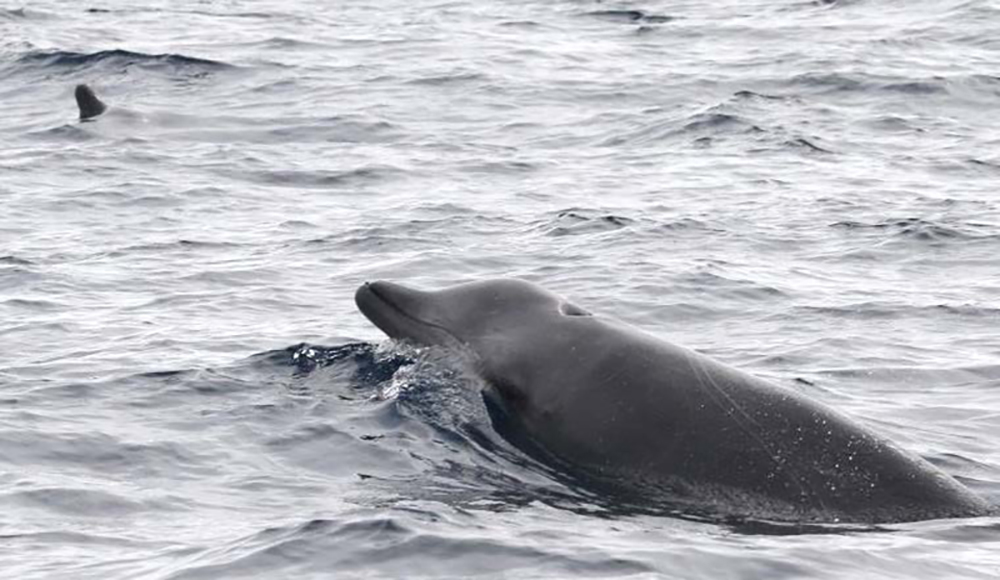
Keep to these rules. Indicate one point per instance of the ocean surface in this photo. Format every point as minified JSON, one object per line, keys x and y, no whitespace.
{"x":805,"y":190}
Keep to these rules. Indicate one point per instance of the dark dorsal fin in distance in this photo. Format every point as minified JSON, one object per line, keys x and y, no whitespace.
{"x":90,"y":105}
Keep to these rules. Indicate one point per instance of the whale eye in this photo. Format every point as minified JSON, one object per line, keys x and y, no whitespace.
{"x":567,"y":309}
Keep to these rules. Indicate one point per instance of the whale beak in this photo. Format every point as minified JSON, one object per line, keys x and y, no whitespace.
{"x":401,"y":312}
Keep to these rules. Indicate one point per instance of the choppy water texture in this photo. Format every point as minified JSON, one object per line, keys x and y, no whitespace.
{"x":807,"y":190}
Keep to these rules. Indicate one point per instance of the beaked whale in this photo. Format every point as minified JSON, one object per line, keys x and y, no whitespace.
{"x":627,"y":408}
{"x":88,"y":103}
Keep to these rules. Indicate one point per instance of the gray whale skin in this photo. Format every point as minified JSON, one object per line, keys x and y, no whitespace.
{"x":621,"y":406}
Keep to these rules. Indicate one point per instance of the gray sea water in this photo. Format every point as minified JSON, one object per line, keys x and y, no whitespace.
{"x":805,"y":190}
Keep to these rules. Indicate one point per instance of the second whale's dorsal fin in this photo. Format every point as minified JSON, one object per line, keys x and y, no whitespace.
{"x":90,"y":105}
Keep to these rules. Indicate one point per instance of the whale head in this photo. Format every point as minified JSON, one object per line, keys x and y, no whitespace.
{"x":507,"y":329}
{"x":474,"y":314}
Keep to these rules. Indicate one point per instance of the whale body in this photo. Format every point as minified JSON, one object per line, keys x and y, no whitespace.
{"x":623,"y":407}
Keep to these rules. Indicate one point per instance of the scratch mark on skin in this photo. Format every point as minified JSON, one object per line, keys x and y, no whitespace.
{"x":751,"y":428}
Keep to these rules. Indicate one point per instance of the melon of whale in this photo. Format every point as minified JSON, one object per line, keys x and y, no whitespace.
{"x":621,"y":406}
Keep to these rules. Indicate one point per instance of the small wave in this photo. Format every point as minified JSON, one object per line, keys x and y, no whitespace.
{"x":298,"y":224}
{"x":921,"y":229}
{"x":283,"y":43}
{"x":989,"y":165}
{"x":95,"y":452}
{"x":73,"y":132}
{"x":979,"y":374}
{"x":173,"y":300}
{"x":159,"y":375}
{"x":726,"y":287}
{"x":24,"y":14}
{"x":738,"y":118}
{"x":380,"y":239}
{"x":329,"y":130}
{"x":576,"y":222}
{"x":72,"y":538}
{"x":969,"y":310}
{"x":836,"y":3}
{"x":13,"y":13}
{"x":528,"y":24}
{"x":15,"y":261}
{"x":629,"y":16}
{"x":448,"y":79}
{"x":180,"y":11}
{"x":754,"y":96}
{"x":408,"y":391}
{"x":805,"y":144}
{"x":702,"y":128}
{"x":959,"y":465}
{"x":856,"y":82}
{"x":988,"y":86}
{"x":831,"y":81}
{"x":77,"y":502}
{"x":883,"y":310}
{"x":309,"y":433}
{"x":49,"y":328}
{"x":501,"y":167}
{"x":251,"y":15}
{"x":893,"y":124}
{"x":157,"y":247}
{"x":720,"y":122}
{"x":862,"y":310}
{"x":687,"y":225}
{"x":32,"y":305}
{"x":372,"y":366}
{"x":404,"y":544}
{"x":916,"y":87}
{"x":318,"y":179}
{"x":118,"y":58}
